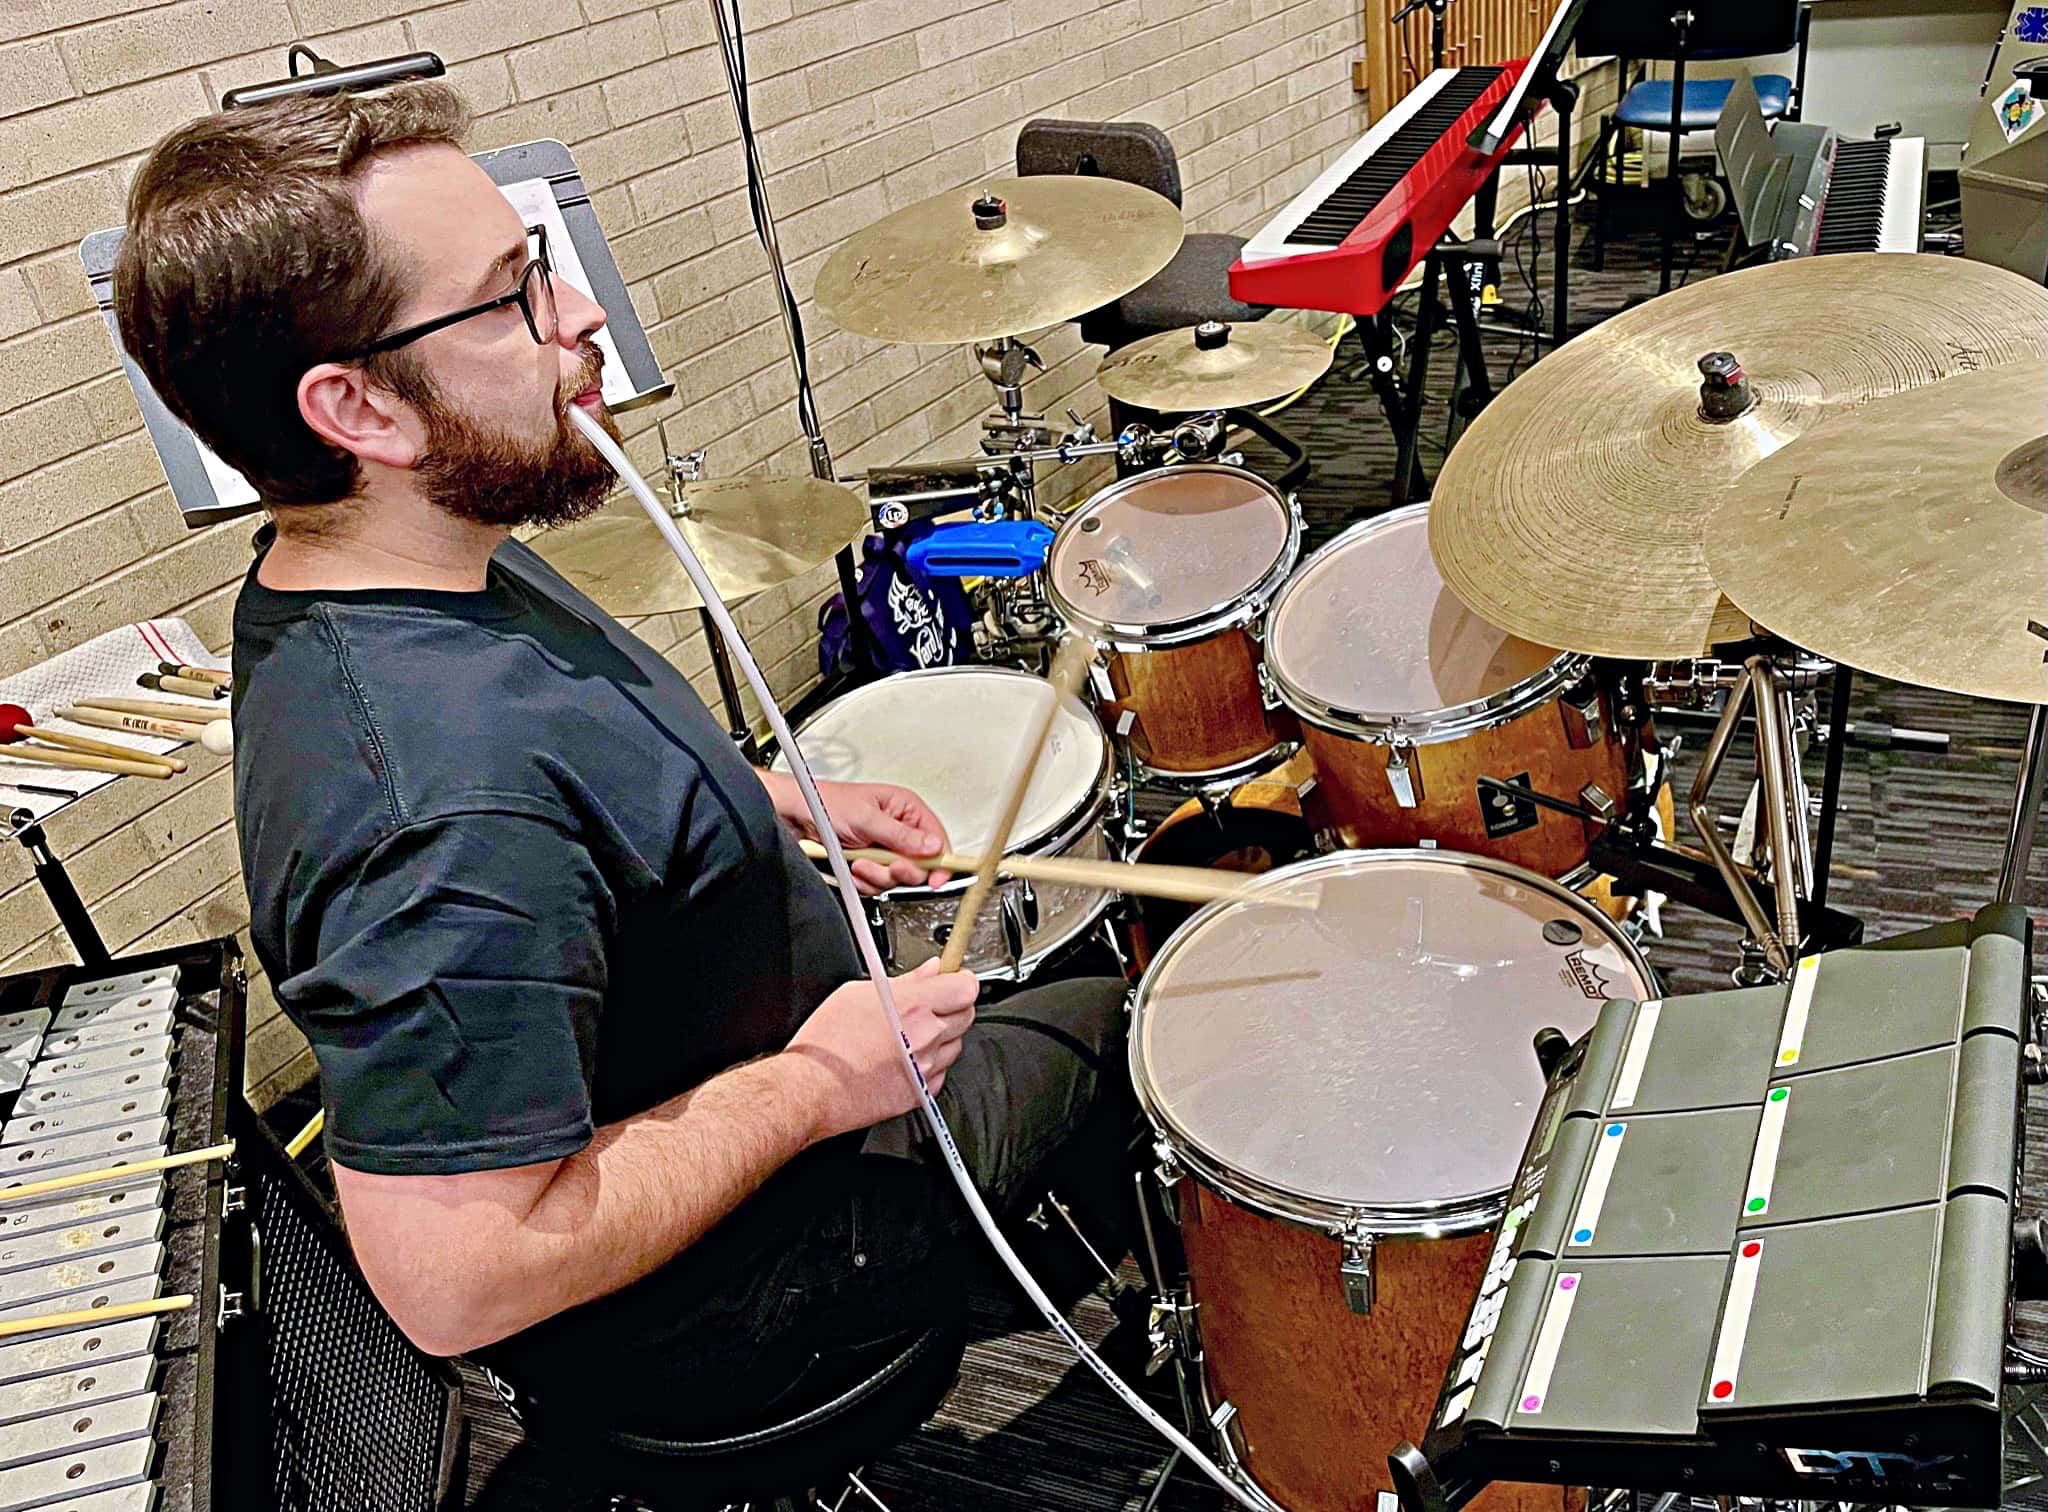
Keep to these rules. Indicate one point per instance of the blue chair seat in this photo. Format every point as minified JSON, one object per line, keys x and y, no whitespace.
{"x":1648,"y":105}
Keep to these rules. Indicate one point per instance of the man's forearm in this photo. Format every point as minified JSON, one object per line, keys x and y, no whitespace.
{"x":644,"y":1189}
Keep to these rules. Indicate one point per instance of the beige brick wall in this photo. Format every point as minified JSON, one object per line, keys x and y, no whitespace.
{"x":863,"y":106}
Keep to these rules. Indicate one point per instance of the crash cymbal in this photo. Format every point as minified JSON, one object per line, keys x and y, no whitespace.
{"x":1909,"y":538}
{"x":1571,"y":512}
{"x":751,"y":533}
{"x":1215,"y":366}
{"x":958,"y":267}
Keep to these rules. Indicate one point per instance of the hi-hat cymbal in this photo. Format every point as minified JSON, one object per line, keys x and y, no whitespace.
{"x":1571,"y":512}
{"x":1909,"y":539}
{"x":1215,"y":366}
{"x":750,"y":533}
{"x":957,"y":267}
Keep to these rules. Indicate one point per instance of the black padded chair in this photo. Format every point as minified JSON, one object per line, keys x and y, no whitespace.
{"x":1194,"y":287}
{"x":856,"y":1404}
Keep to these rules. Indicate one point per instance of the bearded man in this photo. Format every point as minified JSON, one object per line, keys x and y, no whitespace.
{"x":610,"y":1104}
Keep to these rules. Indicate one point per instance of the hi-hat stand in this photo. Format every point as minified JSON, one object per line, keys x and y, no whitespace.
{"x":2026,"y":806}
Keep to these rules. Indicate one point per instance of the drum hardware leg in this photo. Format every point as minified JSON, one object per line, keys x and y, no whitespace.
{"x":1777,"y":758}
{"x":1706,"y":823}
{"x":1376,"y":336}
{"x":1159,"y":1486}
{"x":1052,"y":1200}
{"x":2026,"y":807}
{"x":1831,"y":781}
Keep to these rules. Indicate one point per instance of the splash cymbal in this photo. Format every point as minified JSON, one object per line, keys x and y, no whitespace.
{"x":1215,"y":366}
{"x":1571,"y":513}
{"x":1909,"y":539}
{"x":750,"y":533}
{"x":1010,"y":256}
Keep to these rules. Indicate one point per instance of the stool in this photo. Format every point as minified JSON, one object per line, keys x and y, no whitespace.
{"x":864,"y":1401}
{"x":1647,"y":108}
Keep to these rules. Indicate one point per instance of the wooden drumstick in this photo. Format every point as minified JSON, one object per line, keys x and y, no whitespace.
{"x":117,"y":1173}
{"x":141,"y":724}
{"x":1186,"y":884}
{"x":1068,"y":668}
{"x":92,"y":1317}
{"x":214,"y":675}
{"x":16,"y":724}
{"x":81,"y":762}
{"x":164,"y":682}
{"x":158,"y":708}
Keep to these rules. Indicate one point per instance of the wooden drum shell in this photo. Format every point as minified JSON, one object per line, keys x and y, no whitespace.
{"x":1354,"y":798}
{"x":1322,"y":1393}
{"x":1198,"y":707}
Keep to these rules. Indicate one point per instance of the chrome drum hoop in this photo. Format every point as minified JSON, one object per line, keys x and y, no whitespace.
{"x":1424,"y":726}
{"x":1241,"y":609}
{"x":1452,"y":1218}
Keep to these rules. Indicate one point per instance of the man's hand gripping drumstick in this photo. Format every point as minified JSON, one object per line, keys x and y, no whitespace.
{"x":1068,"y":668}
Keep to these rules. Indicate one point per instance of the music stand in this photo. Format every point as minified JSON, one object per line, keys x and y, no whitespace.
{"x":1674,"y":31}
{"x":208,"y":490}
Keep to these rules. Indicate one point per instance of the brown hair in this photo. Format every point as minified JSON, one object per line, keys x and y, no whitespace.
{"x":247,"y":261}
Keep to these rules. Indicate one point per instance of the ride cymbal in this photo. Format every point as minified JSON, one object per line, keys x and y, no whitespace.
{"x":1571,"y":512}
{"x":750,"y":533}
{"x":1909,"y":538}
{"x":1215,"y":366}
{"x":1012,"y":256}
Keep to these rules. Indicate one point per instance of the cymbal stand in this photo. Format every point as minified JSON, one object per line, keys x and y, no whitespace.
{"x":2026,"y":806}
{"x":732,"y":49}
{"x":1768,"y":690}
{"x":680,"y":469}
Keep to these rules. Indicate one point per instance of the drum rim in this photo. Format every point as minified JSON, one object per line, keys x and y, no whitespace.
{"x":1085,"y":814}
{"x":1447,"y":1218}
{"x":1419,"y":726}
{"x":1232,"y":613}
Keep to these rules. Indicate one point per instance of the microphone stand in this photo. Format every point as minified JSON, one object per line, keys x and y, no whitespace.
{"x":732,"y":49}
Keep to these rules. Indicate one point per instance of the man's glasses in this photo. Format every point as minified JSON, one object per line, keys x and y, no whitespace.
{"x":534,"y":294}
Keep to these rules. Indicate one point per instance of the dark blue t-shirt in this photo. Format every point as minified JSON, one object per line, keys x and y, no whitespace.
{"x":505,"y":871}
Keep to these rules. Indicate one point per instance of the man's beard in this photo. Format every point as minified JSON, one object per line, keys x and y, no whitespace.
{"x":491,"y":478}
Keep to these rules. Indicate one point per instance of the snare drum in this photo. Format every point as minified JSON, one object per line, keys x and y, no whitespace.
{"x":950,"y":735}
{"x":1350,"y":1091}
{"x":1406,"y":698}
{"x":1169,"y":572}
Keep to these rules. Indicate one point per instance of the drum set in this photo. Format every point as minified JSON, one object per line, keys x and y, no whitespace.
{"x":1434,"y":735}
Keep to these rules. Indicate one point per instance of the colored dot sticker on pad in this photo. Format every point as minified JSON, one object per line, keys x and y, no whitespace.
{"x":1549,"y":1340}
{"x":1763,"y":1164}
{"x":1796,"y":1008}
{"x":1593,"y":1195}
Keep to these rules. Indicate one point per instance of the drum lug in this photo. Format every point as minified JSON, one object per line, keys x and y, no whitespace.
{"x":878,"y":926}
{"x":1010,"y":914}
{"x":1404,"y":774}
{"x":1269,"y":695}
{"x":1584,"y":721}
{"x":1356,"y":1269}
{"x":1229,"y":1437}
{"x":1027,"y":904}
{"x":1170,"y":1330}
{"x":1166,"y":1166}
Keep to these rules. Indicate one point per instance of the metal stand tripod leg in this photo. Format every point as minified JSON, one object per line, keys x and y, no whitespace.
{"x":2026,"y":807}
{"x":57,"y":887}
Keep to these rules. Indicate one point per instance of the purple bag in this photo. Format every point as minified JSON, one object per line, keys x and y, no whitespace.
{"x":913,"y":620}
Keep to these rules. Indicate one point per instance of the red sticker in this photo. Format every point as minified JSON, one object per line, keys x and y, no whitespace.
{"x":1723,"y":1390}
{"x":1751,"y":1250}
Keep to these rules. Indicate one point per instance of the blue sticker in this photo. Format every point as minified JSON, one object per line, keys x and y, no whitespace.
{"x":1583,"y":1236}
{"x":2031,"y":24}
{"x":1614,"y":1131}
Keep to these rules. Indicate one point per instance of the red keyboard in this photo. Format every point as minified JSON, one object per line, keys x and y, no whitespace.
{"x":1346,"y":242}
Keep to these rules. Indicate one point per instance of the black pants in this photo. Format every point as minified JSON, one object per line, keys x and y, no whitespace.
{"x":856,"y":1241}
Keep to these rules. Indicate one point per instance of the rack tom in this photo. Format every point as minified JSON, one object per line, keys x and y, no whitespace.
{"x":950,"y":735}
{"x":1341,"y":1099}
{"x":1170,"y":572}
{"x":1407,"y":698}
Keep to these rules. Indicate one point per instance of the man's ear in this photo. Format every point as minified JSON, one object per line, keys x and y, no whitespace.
{"x":343,"y":407}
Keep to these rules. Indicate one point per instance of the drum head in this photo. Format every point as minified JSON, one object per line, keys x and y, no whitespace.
{"x":951,"y":735}
{"x":1367,"y":627}
{"x":1374,"y":1055}
{"x":1168,"y":548}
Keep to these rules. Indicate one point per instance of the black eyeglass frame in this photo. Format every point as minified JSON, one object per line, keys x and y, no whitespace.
{"x":412,"y":333}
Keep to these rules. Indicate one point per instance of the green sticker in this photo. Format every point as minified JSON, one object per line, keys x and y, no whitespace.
{"x":1779,"y":1095}
{"x":1756,"y":1205}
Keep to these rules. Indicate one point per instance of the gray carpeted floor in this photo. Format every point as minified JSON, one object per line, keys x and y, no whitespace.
{"x":1920,"y":841}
